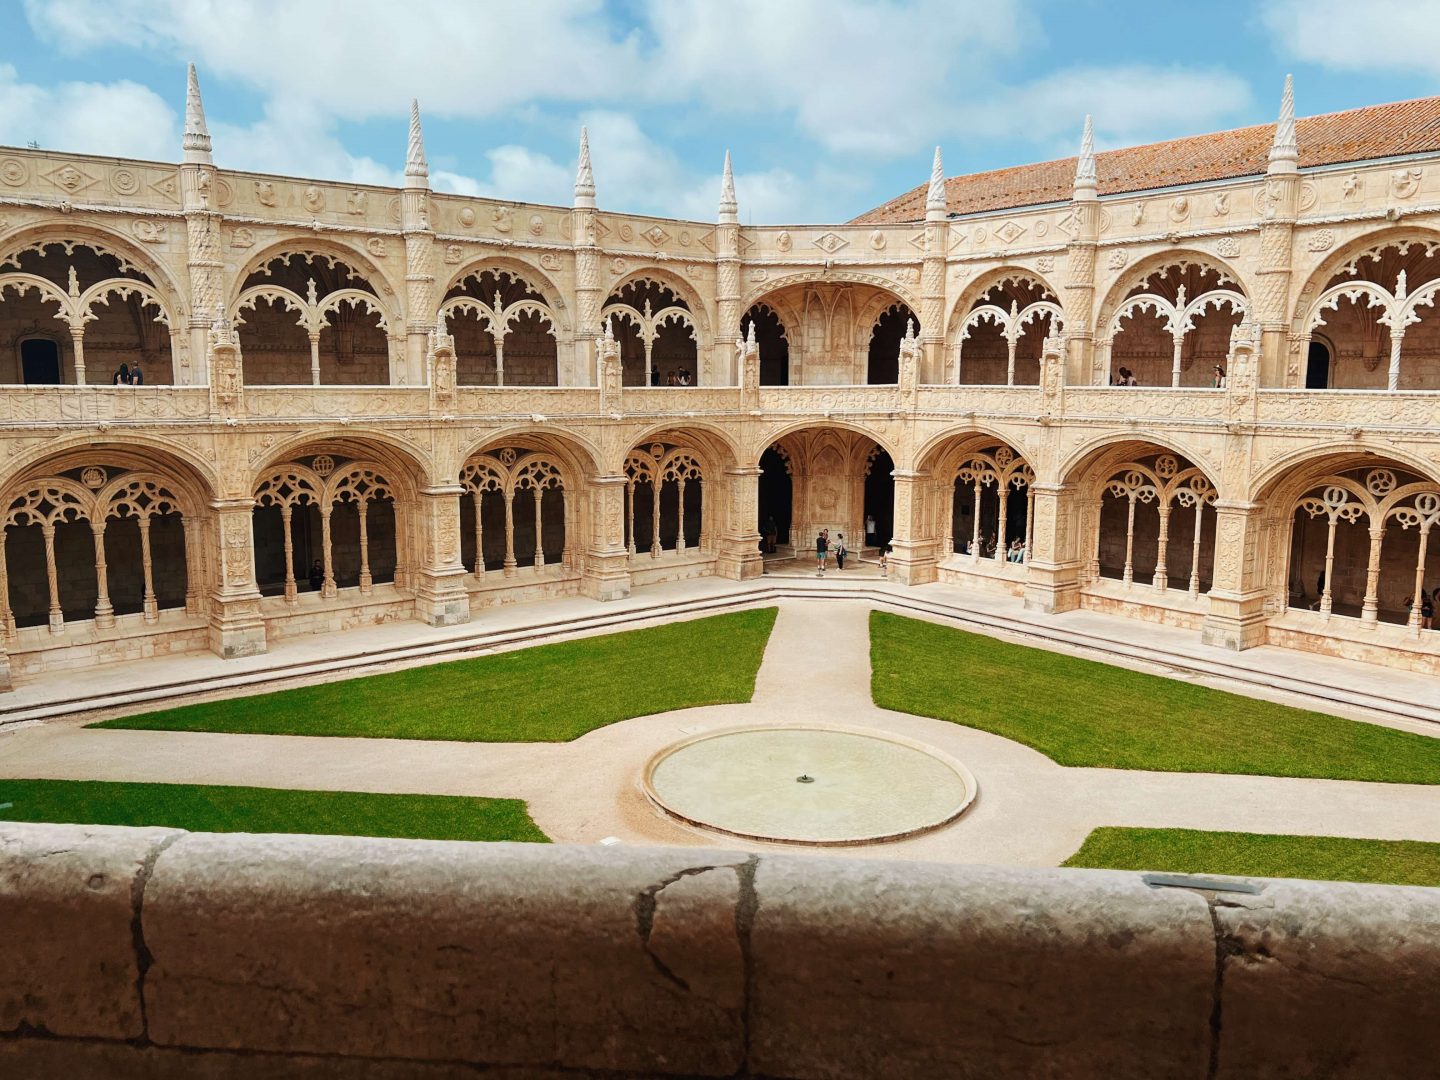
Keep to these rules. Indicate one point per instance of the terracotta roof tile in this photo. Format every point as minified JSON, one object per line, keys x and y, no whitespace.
{"x":1377,"y":131}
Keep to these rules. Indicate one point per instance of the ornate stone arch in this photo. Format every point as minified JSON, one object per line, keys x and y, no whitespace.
{"x":960,"y":439}
{"x":404,"y":463}
{"x":530,"y":273}
{"x":582,"y":457}
{"x":328,"y":248}
{"x":134,"y":452}
{"x":983,"y":283}
{"x":1350,"y":252}
{"x":1136,"y":275}
{"x":106,"y":241}
{"x":890,"y":445}
{"x":717,"y":446}
{"x":830,"y":278}
{"x":1096,"y":454}
{"x":680,"y":286}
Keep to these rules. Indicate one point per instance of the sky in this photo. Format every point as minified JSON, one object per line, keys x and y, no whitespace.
{"x":830,"y":107}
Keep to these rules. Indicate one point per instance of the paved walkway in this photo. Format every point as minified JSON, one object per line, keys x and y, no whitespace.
{"x":1029,"y":810}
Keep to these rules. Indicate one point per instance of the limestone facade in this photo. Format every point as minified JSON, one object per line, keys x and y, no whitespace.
{"x":365,"y":403}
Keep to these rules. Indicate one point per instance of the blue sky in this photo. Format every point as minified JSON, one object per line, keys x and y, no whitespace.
{"x":829,"y":106}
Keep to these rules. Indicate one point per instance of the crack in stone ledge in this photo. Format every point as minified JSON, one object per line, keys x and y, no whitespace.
{"x":143,"y":957}
{"x":648,"y":900}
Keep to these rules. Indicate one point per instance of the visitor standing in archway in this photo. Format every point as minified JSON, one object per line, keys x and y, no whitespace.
{"x":822,"y":547}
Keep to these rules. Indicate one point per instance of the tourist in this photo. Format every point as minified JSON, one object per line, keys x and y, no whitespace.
{"x":1017,"y":550}
{"x":885,"y":561}
{"x":822,"y":546}
{"x":869,"y":530}
{"x":1218,"y":381}
{"x":1130,"y":379}
{"x":1427,"y":609}
{"x":122,"y":375}
{"x":1319,"y":591}
{"x":670,"y":379}
{"x":771,"y":531}
{"x":317,"y":575}
{"x":137,"y":377}
{"x":840,"y":551}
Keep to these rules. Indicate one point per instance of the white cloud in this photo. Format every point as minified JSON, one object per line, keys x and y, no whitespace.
{"x":842,"y":79}
{"x":123,"y":118}
{"x":360,"y":58}
{"x":1131,"y":104}
{"x":859,"y":77}
{"x":1387,"y":36}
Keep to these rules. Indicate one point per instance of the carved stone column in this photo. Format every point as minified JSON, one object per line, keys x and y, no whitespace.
{"x":1237,"y":591}
{"x":420,"y":305}
{"x":1279,"y":205}
{"x":931,"y":353}
{"x":589,"y":299}
{"x":740,"y":558}
{"x":237,"y":627}
{"x":727,"y":304}
{"x":1078,"y":288}
{"x":202,"y":242}
{"x":1052,"y":571}
{"x":914,"y":553}
{"x":607,"y":563}
{"x":202,"y":235}
{"x":440,"y":595}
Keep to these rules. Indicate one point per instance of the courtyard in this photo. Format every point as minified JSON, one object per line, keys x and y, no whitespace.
{"x":1061,"y":758}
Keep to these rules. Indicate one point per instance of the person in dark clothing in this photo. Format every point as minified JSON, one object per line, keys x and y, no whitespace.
{"x":122,"y":375}
{"x":840,"y":551}
{"x":822,"y":548}
{"x":317,"y":575}
{"x":137,"y":377}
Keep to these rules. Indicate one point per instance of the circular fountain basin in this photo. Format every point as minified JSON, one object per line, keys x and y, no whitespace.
{"x":809,"y":785}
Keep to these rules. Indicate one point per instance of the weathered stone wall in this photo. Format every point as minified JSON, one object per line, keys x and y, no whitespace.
{"x":152,"y":952}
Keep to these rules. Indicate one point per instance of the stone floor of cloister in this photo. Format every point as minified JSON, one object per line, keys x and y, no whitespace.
{"x":816,"y":670}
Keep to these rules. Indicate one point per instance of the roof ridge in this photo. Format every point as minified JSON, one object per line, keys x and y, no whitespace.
{"x":1231,"y":159}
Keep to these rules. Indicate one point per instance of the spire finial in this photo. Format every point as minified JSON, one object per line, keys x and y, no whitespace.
{"x":584,"y":176}
{"x":196,"y":143}
{"x":729,"y":208}
{"x":935,"y":196}
{"x":1285,"y":151}
{"x":1085,"y":171}
{"x":417,"y":171}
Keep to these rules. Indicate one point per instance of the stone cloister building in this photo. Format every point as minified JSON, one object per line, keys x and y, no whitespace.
{"x":363,"y":404}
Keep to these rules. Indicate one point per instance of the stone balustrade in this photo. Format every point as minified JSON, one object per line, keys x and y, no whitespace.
{"x":152,"y":952}
{"x":1280,"y":409}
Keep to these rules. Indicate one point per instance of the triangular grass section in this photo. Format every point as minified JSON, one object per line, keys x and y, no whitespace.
{"x":547,"y":693}
{"x":222,"y":808}
{"x":1086,"y":713}
{"x":1321,"y":858}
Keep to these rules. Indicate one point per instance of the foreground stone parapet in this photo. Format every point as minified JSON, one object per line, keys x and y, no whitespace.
{"x":155,"y":953}
{"x":70,"y":900}
{"x":871,"y":969}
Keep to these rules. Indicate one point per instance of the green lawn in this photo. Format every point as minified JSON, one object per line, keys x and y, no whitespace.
{"x":216,"y":808}
{"x":549,"y":693}
{"x":1085,"y":713}
{"x":1323,"y":858}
